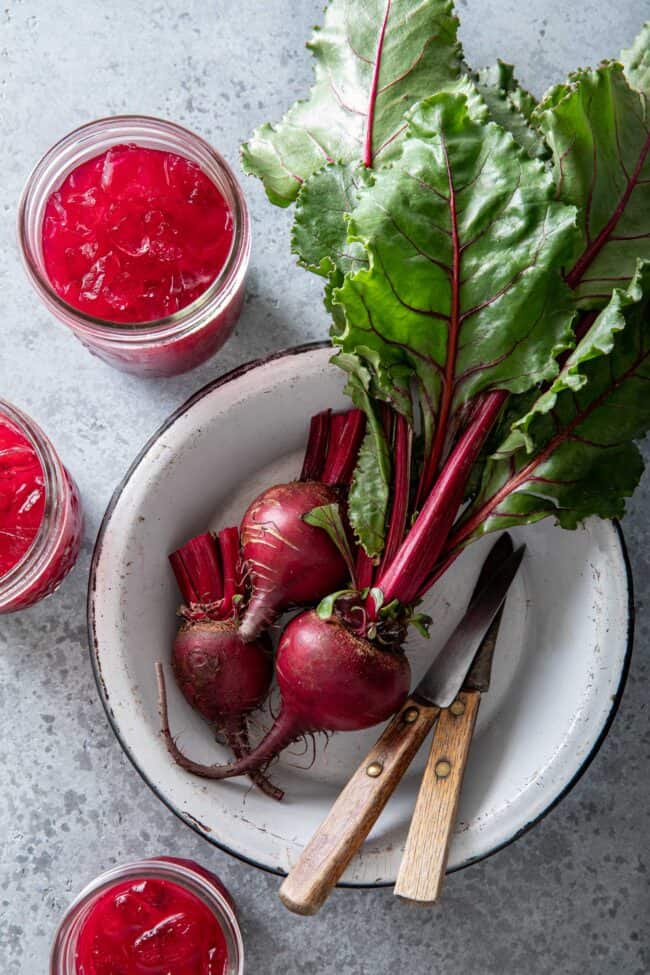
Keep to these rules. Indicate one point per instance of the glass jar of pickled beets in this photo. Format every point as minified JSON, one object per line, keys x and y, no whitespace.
{"x":41,"y":520}
{"x":163,"y":916}
{"x":135,"y":233}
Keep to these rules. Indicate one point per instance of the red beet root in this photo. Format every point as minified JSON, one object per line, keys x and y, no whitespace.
{"x":221,"y":676}
{"x":218,"y":673}
{"x":290,"y":563}
{"x":330,"y":680}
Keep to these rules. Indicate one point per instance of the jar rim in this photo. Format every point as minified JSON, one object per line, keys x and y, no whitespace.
{"x":45,"y":541}
{"x":56,"y":163}
{"x":191,"y":877}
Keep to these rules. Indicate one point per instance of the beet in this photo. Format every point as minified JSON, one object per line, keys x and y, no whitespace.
{"x":330,"y":679}
{"x":222,"y":677}
{"x":218,"y":673}
{"x":291,"y":563}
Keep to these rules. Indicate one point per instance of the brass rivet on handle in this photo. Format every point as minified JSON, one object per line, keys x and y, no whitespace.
{"x":374,"y":769}
{"x":457,"y":707}
{"x":410,"y":715}
{"x":443,"y":769}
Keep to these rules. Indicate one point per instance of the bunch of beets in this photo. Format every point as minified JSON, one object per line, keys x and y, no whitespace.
{"x":486,"y":259}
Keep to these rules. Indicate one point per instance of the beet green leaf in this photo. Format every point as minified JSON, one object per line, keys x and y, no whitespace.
{"x":320,"y":230}
{"x":636,"y":60}
{"x":572,"y":454}
{"x":511,"y":106}
{"x":370,"y":488}
{"x":372,"y":61}
{"x":464,"y":243}
{"x":598,"y":127}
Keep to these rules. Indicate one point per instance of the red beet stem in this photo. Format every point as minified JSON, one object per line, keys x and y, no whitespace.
{"x":346,"y":434}
{"x":232,"y":574}
{"x":368,"y":151}
{"x":457,"y":540}
{"x":416,"y":558}
{"x":316,"y":450}
{"x":402,"y":482}
{"x":386,"y":415}
{"x":365,"y":570}
{"x":198,"y":571}
{"x":286,"y":729}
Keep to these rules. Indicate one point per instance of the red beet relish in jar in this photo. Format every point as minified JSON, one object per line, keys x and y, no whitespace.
{"x":162,"y":916}
{"x":41,"y":519}
{"x":22,"y":494}
{"x":136,"y":235}
{"x":154,"y":926}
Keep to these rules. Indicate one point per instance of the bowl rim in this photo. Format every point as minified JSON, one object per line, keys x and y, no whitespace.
{"x":231,"y":376}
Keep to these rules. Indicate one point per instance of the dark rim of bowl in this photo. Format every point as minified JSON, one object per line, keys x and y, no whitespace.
{"x":194,"y":824}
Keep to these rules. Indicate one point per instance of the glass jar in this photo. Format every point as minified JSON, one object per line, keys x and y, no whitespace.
{"x":166,"y":346}
{"x":55,"y":547}
{"x":184,"y":873}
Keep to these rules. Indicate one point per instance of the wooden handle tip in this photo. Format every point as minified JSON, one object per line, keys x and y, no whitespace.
{"x":304,"y":907}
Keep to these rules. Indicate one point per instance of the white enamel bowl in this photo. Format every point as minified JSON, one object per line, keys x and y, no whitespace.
{"x":558,"y":672}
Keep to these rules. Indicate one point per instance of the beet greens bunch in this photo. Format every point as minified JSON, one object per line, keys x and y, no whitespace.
{"x":484,"y":258}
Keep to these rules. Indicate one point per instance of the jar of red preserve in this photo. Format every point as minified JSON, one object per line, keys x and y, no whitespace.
{"x":40,"y":513}
{"x":162,"y":916}
{"x":135,"y":233}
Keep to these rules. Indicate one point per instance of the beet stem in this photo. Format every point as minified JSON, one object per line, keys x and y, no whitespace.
{"x":416,"y":558}
{"x":232,"y":574}
{"x":197,"y":570}
{"x":402,"y":482}
{"x":316,"y":450}
{"x":458,"y":539}
{"x":365,"y":570}
{"x":346,"y":434}
{"x":447,"y":560}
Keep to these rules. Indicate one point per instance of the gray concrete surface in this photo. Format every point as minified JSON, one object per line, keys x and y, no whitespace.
{"x":572,"y":896}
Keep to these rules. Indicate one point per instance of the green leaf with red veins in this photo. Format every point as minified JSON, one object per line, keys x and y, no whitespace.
{"x":372,"y":60}
{"x":320,"y":228}
{"x":511,"y":106}
{"x":636,"y":60}
{"x":320,"y":231}
{"x":465,"y":243}
{"x":572,"y":454}
{"x":598,"y":128}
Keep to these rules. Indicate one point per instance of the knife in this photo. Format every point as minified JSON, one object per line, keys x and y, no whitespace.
{"x":424,"y":862}
{"x":357,"y":808}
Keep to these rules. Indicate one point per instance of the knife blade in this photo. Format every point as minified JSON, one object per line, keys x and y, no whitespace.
{"x":446,"y":675}
{"x":478,"y":676}
{"x":357,"y":808}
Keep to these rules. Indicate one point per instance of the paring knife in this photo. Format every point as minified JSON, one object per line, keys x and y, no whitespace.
{"x":424,"y":863}
{"x":357,"y":808}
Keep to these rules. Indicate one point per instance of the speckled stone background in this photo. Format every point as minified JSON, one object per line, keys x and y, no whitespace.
{"x":572,"y":896}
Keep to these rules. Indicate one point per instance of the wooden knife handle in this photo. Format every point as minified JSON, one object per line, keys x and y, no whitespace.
{"x":422,"y":870}
{"x":355,"y":811}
